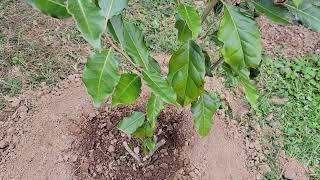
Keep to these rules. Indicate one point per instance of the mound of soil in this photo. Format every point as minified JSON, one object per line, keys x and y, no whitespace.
{"x":59,"y":135}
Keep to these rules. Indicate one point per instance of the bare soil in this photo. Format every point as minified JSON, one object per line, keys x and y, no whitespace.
{"x":57,"y":134}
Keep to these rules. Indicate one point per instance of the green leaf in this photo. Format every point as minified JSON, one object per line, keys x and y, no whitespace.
{"x":208,"y":64}
{"x":131,"y":39}
{"x":203,"y":110}
{"x":184,"y":33}
{"x":249,"y":90}
{"x":297,"y":2}
{"x":112,"y":7}
{"x":127,"y":90}
{"x":154,"y":65}
{"x":154,"y":107}
{"x":148,"y":145}
{"x":190,"y":15}
{"x":53,"y":8}
{"x":89,"y":20}
{"x":131,"y":123}
{"x":186,"y":72}
{"x":276,"y":13}
{"x":241,"y":37}
{"x":116,"y":29}
{"x":144,"y":131}
{"x":100,"y":75}
{"x":159,"y":86}
{"x":307,"y":13}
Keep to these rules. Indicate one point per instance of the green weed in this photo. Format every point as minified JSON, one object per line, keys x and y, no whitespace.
{"x":296,"y":83}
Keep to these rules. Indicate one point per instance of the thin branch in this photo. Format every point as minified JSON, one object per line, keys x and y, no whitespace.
{"x":119,"y":50}
{"x":216,"y":64}
{"x":133,"y":154}
{"x":208,"y":9}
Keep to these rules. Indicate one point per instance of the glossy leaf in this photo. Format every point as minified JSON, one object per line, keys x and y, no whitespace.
{"x":249,"y":90}
{"x":276,"y":13}
{"x":127,"y":90}
{"x":307,"y":13}
{"x":144,"y":131}
{"x":131,"y":123}
{"x":159,"y":86}
{"x":208,"y":64}
{"x":116,"y":29}
{"x":191,"y":17}
{"x":53,"y":8}
{"x":89,"y":19}
{"x":100,"y":75}
{"x":184,"y":33}
{"x":297,"y":2}
{"x":112,"y":7}
{"x":154,"y":107}
{"x":186,"y":72}
{"x":203,"y":110}
{"x":148,"y":145}
{"x":241,"y":37}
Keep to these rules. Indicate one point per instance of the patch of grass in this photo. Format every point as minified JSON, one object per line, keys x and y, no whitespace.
{"x":296,"y":85}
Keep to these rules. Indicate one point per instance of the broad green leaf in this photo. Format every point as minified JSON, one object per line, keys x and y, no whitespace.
{"x":116,"y":29}
{"x":307,"y":13}
{"x":315,"y":2}
{"x":203,"y":110}
{"x":184,"y":33}
{"x":154,"y":107}
{"x":154,"y":65}
{"x":100,"y":75}
{"x":190,"y":15}
{"x":89,"y":20}
{"x":186,"y":72}
{"x":241,"y":37}
{"x":127,"y":90}
{"x":159,"y":86}
{"x":249,"y":90}
{"x":131,"y":39}
{"x":112,"y":7}
{"x":131,"y":123}
{"x":144,"y":131}
{"x":297,"y":2}
{"x":53,"y":8}
{"x":208,"y":64}
{"x":148,"y":145}
{"x":276,"y":13}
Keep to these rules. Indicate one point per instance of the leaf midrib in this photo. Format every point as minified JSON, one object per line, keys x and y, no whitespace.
{"x":103,"y":68}
{"x":127,"y":86}
{"x":57,"y":3}
{"x":266,"y":9}
{"x":84,"y":16}
{"x":303,"y":12}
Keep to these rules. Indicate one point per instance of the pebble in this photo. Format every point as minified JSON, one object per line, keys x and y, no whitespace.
{"x":164,"y":166}
{"x":136,"y":150}
{"x":111,"y":149}
{"x":3,"y":144}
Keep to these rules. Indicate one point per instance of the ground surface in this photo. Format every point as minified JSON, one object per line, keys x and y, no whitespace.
{"x":52,"y":131}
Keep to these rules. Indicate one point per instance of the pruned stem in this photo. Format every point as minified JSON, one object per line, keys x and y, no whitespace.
{"x":133,"y":154}
{"x":208,"y":9}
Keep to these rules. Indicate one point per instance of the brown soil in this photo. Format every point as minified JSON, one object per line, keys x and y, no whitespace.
{"x":288,"y":41}
{"x":57,"y":134}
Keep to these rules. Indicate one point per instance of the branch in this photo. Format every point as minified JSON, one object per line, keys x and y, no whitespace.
{"x":208,"y":9}
{"x":119,"y":50}
{"x":133,"y":154}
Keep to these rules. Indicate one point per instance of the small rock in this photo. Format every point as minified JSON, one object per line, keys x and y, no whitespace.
{"x":111,"y":149}
{"x":151,"y":167}
{"x":73,"y":158}
{"x":164,"y":166}
{"x":15,"y":102}
{"x":3,"y":144}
